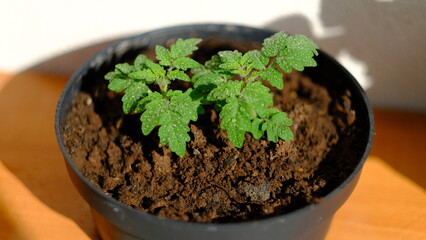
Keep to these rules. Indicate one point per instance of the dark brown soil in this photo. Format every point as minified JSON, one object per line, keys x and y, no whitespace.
{"x":214,"y":182}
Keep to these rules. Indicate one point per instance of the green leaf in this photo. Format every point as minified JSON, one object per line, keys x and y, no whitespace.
{"x":256,"y":128}
{"x":225,"y":90}
{"x":298,"y":54}
{"x":146,"y":75}
{"x":119,"y":84}
{"x":154,"y":110}
{"x":185,"y":63}
{"x":214,"y":62}
{"x":157,"y":69}
{"x":163,"y":55}
{"x":274,"y":77}
{"x":207,"y":79}
{"x":285,"y":133}
{"x":152,"y":96}
{"x":114,"y":74}
{"x":291,"y":51}
{"x":297,"y":59}
{"x":140,"y":62}
{"x":199,"y":70}
{"x":132,"y":96}
{"x":177,"y":74}
{"x":175,"y":134}
{"x":182,"y":106}
{"x":235,"y":121}
{"x":230,"y":59}
{"x":204,"y":84}
{"x":184,"y":48}
{"x":255,"y":59}
{"x":257,"y":97}
{"x":124,"y":68}
{"x":272,"y":45}
{"x":284,"y":64}
{"x":214,"y":65}
{"x":172,"y":115}
{"x":303,"y":43}
{"x":278,"y":127}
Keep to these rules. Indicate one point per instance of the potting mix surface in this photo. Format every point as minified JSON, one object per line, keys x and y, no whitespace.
{"x":215,"y":181}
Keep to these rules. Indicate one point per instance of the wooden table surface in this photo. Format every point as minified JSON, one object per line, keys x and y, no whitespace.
{"x":38,"y":201}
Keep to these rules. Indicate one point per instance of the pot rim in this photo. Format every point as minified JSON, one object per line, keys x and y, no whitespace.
{"x":95,"y":61}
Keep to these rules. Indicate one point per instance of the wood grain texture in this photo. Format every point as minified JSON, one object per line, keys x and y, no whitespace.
{"x":400,"y":140}
{"x":38,"y":201}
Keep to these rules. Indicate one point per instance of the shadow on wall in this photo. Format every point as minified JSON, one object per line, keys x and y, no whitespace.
{"x":387,"y":36}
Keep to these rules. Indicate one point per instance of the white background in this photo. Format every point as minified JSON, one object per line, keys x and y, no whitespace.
{"x":382,"y":43}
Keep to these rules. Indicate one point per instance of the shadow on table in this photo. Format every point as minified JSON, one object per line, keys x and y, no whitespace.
{"x":8,"y":228}
{"x":28,"y":143}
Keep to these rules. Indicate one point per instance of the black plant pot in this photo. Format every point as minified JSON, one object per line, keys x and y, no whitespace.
{"x":115,"y":220}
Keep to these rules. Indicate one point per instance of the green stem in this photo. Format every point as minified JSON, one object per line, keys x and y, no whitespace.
{"x":163,"y":87}
{"x":271,"y":63}
{"x":248,"y":75}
